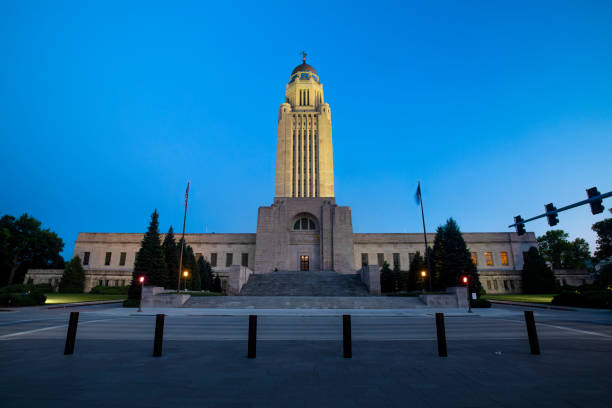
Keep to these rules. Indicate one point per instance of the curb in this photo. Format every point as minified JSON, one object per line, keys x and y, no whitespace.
{"x":98,"y":302}
{"x":540,"y":306}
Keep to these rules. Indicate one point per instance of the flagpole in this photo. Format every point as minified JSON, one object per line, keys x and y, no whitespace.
{"x":425,"y":237}
{"x":178,"y":286}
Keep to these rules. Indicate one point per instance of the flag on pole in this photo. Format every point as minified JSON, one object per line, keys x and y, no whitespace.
{"x":186,"y":194}
{"x":417,"y":197}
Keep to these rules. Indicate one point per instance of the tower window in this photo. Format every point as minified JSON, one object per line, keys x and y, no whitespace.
{"x":304,"y":224}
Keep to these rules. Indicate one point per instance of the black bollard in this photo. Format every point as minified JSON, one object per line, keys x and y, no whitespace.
{"x":252,"y":336}
{"x":441,"y":335}
{"x":159,"y":335}
{"x":534,"y":345}
{"x":71,"y":335}
{"x":346,"y":335}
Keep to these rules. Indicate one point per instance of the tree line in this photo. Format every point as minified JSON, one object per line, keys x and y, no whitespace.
{"x":158,"y":262}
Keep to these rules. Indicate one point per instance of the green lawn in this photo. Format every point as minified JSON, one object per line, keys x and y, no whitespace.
{"x":55,"y":298}
{"x":539,"y":298}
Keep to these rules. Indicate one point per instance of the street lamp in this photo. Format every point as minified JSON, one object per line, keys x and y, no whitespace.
{"x":141,"y":280}
{"x":185,"y":275}
{"x":469,"y":295}
{"x":423,"y":275}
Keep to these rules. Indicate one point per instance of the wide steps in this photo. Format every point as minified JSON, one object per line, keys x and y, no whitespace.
{"x":311,"y":283}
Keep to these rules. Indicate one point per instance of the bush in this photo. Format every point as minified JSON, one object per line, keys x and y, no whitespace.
{"x":480,"y":303}
{"x":21,"y":295}
{"x":131,"y":303}
{"x":110,"y":290}
{"x":601,"y":299}
{"x":44,"y":287}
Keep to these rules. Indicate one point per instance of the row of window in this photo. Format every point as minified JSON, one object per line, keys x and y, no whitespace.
{"x":508,"y":284}
{"x":380,"y":259}
{"x":107,"y":258}
{"x":229,"y":258}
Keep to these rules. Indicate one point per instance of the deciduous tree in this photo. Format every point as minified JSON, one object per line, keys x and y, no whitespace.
{"x":603,"y":229}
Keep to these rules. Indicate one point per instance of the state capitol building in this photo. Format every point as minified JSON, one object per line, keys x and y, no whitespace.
{"x":304,"y":229}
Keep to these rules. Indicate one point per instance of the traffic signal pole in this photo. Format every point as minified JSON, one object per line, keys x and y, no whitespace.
{"x":567,"y":207}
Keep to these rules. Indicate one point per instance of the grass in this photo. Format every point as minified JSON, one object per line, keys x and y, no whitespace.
{"x":536,"y":298}
{"x":55,"y":298}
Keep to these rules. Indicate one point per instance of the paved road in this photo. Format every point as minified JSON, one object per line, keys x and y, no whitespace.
{"x":299,"y":361}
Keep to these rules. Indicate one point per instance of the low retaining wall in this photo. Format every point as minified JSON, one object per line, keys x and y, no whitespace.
{"x":155,"y":296}
{"x":455,"y":297}
{"x":370,"y":276}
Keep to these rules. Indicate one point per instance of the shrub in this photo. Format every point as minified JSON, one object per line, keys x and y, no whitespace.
{"x":568,"y":299}
{"x":480,"y":303}
{"x":21,"y":295}
{"x":131,"y":303}
{"x":44,"y":287}
{"x":110,"y":290}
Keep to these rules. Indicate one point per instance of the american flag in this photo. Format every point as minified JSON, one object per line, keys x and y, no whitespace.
{"x":186,"y":194}
{"x":418,"y":194}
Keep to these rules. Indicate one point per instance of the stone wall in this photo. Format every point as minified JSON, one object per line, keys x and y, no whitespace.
{"x":370,"y":276}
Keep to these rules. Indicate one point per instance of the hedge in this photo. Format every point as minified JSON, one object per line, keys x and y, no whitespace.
{"x":110,"y":290}
{"x":600,"y":299}
{"x":21,"y":295}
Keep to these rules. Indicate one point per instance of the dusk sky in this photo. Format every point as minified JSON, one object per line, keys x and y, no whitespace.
{"x":108,"y":108}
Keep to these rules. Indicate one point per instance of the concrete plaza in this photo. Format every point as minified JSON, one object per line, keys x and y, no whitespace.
{"x":299,"y":359}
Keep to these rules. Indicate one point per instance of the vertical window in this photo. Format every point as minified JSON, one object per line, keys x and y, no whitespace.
{"x":489,"y":258}
{"x":229,"y":258}
{"x":396,"y":261}
{"x":123,"y":282}
{"x":245,"y":260}
{"x":380,"y":259}
{"x":504,"y":258}
{"x":506,"y":284}
{"x":489,"y":284}
{"x":122,"y":258}
{"x":213,"y":259}
{"x":100,"y":282}
{"x":495,"y":284}
{"x":364,"y":259}
{"x":106,"y":282}
{"x":107,"y":259}
{"x":198,"y":256}
{"x":411,"y":256}
{"x":512,"y":284}
{"x":475,"y":258}
{"x":86,"y":258}
{"x":117,"y":282}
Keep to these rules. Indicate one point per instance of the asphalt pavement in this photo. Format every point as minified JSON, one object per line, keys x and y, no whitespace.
{"x":299,"y":358}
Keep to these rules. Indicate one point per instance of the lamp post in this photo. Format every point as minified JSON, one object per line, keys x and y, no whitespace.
{"x":423,"y":275}
{"x":469,"y":295}
{"x":141,"y":280}
{"x":185,"y":275}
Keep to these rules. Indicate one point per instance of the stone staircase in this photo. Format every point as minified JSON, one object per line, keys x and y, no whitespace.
{"x":311,"y":283}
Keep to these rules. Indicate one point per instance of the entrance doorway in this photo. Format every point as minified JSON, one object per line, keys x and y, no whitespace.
{"x":304,"y":263}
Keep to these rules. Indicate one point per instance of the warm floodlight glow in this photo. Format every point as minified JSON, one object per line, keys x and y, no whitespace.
{"x":185,"y":273}
{"x":423,"y":273}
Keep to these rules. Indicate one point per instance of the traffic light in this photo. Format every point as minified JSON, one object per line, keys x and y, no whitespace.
{"x":553,"y":219}
{"x":464,"y":279}
{"x":520,"y":227}
{"x":596,"y":207}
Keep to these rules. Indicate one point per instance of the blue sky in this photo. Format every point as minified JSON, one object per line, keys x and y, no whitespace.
{"x":108,"y":108}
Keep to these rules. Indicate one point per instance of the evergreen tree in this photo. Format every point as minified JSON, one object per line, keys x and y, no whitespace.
{"x":205,"y":273}
{"x":415,"y":280}
{"x":73,"y":279}
{"x":149,"y":260}
{"x":386,"y":278}
{"x":216,"y":287}
{"x":171,"y":256}
{"x":450,"y":259}
{"x":396,"y":273}
{"x":194,"y":282}
{"x":537,"y":276}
